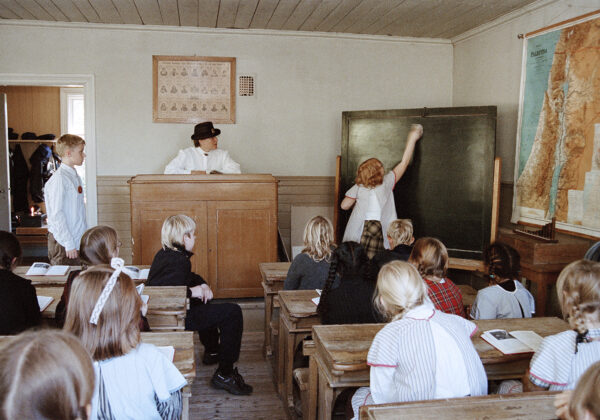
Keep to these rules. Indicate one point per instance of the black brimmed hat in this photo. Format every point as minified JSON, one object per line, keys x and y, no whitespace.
{"x":205,"y":130}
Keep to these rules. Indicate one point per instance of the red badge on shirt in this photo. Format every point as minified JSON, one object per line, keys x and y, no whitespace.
{"x":79,"y":189}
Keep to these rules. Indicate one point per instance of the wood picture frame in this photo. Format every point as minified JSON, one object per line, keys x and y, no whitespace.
{"x":191,"y":89}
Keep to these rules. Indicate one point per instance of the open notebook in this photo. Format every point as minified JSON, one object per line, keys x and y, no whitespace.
{"x":513,"y":342}
{"x":45,"y":269}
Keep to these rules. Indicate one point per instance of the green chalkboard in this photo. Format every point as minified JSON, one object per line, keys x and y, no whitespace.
{"x":447,"y":189}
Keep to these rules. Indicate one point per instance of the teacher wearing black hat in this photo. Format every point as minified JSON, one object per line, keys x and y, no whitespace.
{"x":204,"y":156}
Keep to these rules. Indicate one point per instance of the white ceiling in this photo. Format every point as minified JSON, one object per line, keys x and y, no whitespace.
{"x":411,"y":18}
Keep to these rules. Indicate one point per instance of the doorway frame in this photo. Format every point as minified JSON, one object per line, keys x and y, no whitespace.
{"x":72,"y":80}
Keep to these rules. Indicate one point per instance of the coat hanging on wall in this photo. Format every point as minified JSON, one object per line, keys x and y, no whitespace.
{"x":43,"y":164}
{"x":18,"y":179}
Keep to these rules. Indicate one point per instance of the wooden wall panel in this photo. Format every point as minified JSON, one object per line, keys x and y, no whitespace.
{"x":114,"y":204}
{"x":33,"y":108}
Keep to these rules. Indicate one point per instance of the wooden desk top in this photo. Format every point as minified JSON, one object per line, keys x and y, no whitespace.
{"x":346,"y":346}
{"x":298,"y":303}
{"x":45,"y":280}
{"x":166,"y":298}
{"x":55,"y":293}
{"x":465,"y":264}
{"x":274,"y":271}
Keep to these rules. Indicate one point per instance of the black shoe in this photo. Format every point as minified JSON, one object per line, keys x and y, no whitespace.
{"x":233,"y":383}
{"x":210,"y":358}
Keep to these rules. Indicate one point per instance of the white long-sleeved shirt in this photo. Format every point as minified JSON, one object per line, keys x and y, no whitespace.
{"x":196,"y":159}
{"x":65,"y":207}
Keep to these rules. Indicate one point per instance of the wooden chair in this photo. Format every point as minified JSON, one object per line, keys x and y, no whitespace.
{"x":167,"y":307}
{"x":529,"y":405}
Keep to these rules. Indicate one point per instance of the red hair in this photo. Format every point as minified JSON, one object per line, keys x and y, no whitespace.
{"x":370,"y":173}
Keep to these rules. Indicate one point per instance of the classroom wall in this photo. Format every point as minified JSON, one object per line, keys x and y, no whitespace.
{"x":303,"y":82}
{"x":487,"y":66}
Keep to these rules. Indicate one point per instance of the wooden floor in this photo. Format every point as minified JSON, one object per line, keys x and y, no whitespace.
{"x":264,"y":403}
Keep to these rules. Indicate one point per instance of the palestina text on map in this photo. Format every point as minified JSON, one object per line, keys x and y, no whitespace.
{"x":558,"y":166}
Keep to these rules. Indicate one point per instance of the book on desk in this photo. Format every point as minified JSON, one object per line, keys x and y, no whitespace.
{"x":513,"y":342}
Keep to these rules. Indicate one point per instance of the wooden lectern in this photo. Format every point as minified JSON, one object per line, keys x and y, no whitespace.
{"x":236,"y":225}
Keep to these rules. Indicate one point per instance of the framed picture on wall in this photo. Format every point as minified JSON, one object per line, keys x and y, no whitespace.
{"x":193,"y":89}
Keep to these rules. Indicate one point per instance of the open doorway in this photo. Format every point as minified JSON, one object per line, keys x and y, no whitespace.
{"x":64,"y":104}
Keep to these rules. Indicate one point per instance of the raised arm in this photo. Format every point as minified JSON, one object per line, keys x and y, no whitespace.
{"x":415,"y":133}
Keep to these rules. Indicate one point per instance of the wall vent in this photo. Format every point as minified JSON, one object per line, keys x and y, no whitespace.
{"x":246,"y":85}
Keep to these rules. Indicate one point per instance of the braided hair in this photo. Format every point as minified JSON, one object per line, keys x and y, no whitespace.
{"x":503,"y":262}
{"x":349,"y":257}
{"x":578,"y":289}
{"x":10,"y":248}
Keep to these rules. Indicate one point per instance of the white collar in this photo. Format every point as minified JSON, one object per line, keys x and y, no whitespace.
{"x":424,"y":311}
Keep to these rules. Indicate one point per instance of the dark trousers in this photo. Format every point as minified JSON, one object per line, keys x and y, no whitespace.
{"x":220,"y":326}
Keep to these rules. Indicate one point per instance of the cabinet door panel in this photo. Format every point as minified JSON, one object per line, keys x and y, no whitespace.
{"x":147,"y":226}
{"x":241,"y":234}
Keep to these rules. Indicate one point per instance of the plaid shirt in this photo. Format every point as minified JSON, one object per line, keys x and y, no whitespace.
{"x":446,"y":297}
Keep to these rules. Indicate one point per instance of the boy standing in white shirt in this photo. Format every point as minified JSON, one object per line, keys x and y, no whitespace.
{"x":65,"y":204}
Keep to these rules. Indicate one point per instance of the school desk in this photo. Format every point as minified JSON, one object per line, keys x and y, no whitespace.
{"x":341,"y":356}
{"x":527,"y":405}
{"x":273,"y":275}
{"x":58,"y":280}
{"x":167,"y":305}
{"x":297,"y":314}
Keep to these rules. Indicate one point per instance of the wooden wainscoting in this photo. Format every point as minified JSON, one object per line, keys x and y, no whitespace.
{"x":114,"y":203}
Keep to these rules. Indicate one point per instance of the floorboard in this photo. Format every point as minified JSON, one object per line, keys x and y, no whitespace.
{"x":264,"y":403}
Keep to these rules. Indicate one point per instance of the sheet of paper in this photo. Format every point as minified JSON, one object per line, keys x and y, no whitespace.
{"x":145,"y":298}
{"x":44,"y":302}
{"x":529,"y":338}
{"x":316,"y":300}
{"x":505,"y":342}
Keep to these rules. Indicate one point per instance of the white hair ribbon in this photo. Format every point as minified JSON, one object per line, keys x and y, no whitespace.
{"x":117,"y":264}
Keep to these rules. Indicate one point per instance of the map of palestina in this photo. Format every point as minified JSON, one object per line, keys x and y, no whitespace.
{"x":558,"y":150}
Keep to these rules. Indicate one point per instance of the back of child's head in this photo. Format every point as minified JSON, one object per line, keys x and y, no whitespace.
{"x":10,"y":248}
{"x":430,"y":257}
{"x":174,"y":229}
{"x":401,"y":231}
{"x":399,"y":289}
{"x":502,"y":261}
{"x":318,"y":238}
{"x":98,"y":245}
{"x":45,"y":374}
{"x":585,"y":400}
{"x":67,"y":141}
{"x":578,"y":289}
{"x":370,"y":173}
{"x":117,"y":329}
{"x":349,"y":257}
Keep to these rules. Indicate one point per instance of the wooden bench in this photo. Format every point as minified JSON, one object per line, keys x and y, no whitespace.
{"x":273,"y":275}
{"x":529,"y":405}
{"x":183,"y":359}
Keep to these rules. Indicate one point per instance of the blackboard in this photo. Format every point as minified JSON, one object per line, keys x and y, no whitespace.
{"x":447,"y":189}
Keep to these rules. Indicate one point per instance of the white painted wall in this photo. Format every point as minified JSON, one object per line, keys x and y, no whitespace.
{"x":487,"y":66}
{"x":292,"y":126}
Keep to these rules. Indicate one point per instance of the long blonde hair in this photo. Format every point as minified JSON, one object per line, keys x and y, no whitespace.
{"x":399,"y":289}
{"x":578,"y":289}
{"x":45,"y":374}
{"x":118,"y":329}
{"x":318,"y":238}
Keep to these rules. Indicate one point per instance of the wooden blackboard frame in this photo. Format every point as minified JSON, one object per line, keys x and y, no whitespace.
{"x":473,"y":128}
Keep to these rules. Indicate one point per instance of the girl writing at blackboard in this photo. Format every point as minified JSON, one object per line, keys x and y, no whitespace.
{"x":372,"y":198}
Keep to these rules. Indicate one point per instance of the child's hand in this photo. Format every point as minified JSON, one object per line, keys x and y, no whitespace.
{"x":416,"y":132}
{"x":561,"y":402}
{"x":72,"y":254}
{"x":202,"y":292}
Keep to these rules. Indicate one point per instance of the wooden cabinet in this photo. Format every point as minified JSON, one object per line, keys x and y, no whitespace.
{"x":236,"y":225}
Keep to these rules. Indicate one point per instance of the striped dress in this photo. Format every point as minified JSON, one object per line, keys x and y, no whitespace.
{"x":403,"y":360}
{"x":558,"y":363}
